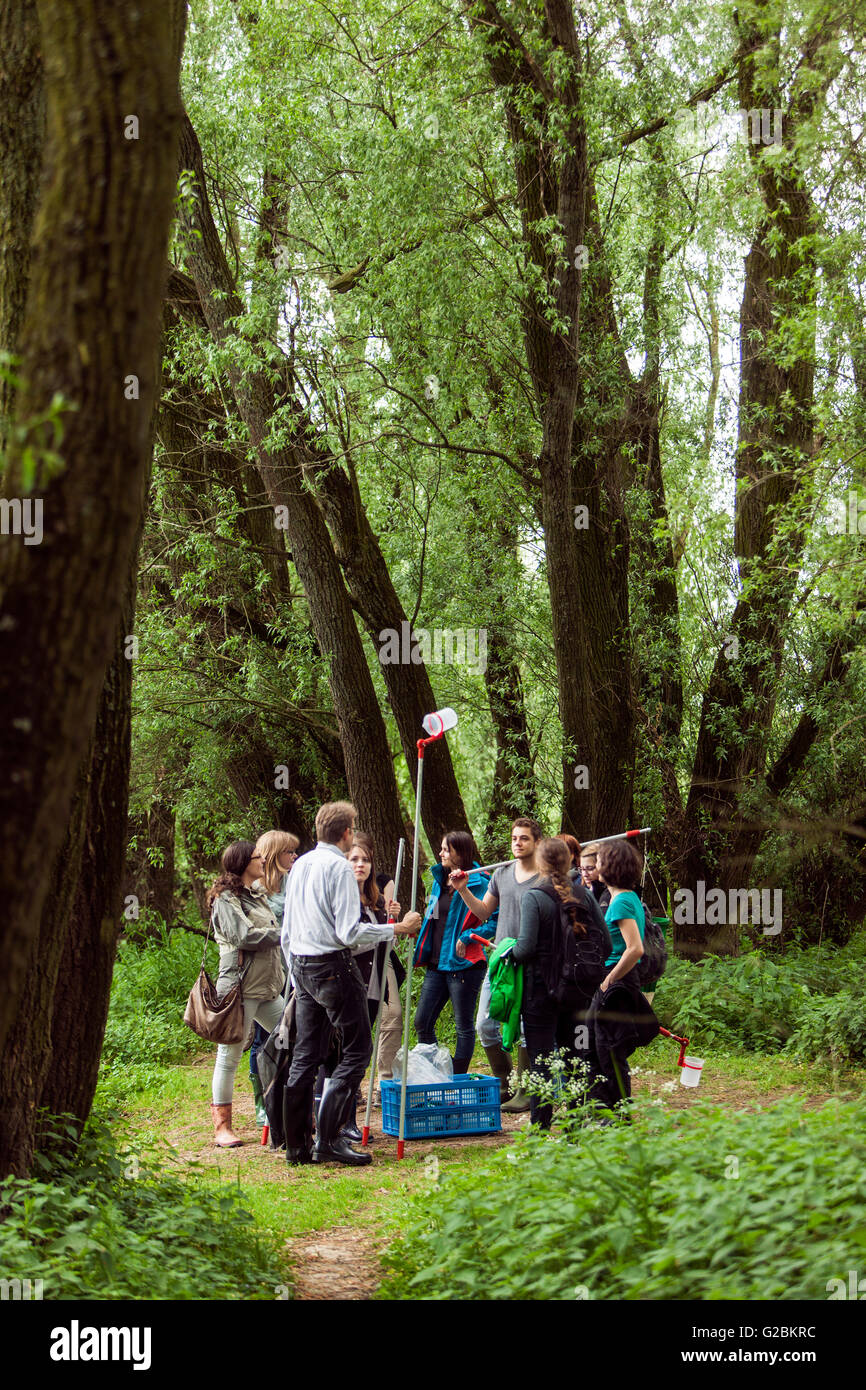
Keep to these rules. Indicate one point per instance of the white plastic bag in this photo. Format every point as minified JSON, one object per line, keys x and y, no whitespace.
{"x":429,"y":1065}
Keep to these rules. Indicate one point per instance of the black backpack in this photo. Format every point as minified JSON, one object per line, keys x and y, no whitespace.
{"x":653,"y":962}
{"x":577,"y":965}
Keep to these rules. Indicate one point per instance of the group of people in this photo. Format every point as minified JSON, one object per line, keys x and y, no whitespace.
{"x":323,"y":926}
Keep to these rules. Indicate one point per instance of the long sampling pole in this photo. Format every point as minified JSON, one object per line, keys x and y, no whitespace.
{"x":436,"y":725}
{"x":365,"y":1139}
{"x":407,"y":1003}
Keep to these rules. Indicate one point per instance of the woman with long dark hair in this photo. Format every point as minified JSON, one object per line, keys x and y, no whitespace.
{"x":248,"y":936}
{"x":448,"y":923}
{"x":553,"y":1012}
{"x":371,"y":963}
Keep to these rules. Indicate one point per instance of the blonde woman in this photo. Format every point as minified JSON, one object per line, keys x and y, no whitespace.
{"x":278,"y":850}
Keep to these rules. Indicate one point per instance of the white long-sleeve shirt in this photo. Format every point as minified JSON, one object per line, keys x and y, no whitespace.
{"x":323,"y":907}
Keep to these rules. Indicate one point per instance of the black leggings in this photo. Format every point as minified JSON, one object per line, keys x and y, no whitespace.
{"x":548,"y":1025}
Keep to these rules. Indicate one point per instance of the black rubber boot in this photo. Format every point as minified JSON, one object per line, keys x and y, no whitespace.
{"x":298,"y":1125}
{"x":500,"y":1065}
{"x":332,"y":1146}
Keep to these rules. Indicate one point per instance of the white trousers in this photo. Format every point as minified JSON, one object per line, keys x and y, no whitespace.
{"x":268,"y":1013}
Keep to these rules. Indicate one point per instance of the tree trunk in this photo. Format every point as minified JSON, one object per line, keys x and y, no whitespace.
{"x":410,"y":691}
{"x":602,"y":466}
{"x":90,"y":331}
{"x":553,"y":183}
{"x":80,"y":1003}
{"x":776,"y":432}
{"x":514,"y":792}
{"x":22,"y":122}
{"x":150,"y":877}
{"x":369,"y":769}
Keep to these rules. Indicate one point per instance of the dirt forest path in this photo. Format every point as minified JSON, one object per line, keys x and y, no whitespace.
{"x":339,"y":1264}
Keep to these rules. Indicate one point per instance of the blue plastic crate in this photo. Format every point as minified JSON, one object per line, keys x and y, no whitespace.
{"x":463,"y":1105}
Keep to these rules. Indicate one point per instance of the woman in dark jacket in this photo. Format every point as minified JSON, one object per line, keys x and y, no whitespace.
{"x":554,"y":1017}
{"x":450,"y":973}
{"x":376,"y":904}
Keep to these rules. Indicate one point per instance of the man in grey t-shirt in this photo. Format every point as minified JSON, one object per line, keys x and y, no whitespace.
{"x":505,"y":892}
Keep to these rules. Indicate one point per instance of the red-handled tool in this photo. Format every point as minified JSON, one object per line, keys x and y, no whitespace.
{"x":683,"y":1042}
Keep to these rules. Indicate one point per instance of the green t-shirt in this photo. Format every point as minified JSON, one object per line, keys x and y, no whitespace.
{"x":623,"y":905}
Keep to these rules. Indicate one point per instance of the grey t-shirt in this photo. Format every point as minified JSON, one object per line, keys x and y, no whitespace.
{"x":505,"y":887}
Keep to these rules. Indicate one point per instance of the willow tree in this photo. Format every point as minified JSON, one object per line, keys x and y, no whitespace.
{"x":87,"y":344}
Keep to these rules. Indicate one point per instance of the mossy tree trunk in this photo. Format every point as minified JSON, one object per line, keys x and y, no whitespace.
{"x":90,"y":333}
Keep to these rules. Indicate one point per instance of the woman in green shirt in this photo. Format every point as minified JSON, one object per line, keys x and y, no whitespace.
{"x":618,"y":1002}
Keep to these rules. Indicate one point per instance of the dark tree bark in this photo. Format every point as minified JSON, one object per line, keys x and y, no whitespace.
{"x":514,"y":791}
{"x":776,"y":435}
{"x":91,"y":325}
{"x":81,"y":997}
{"x":410,"y":691}
{"x":250,"y":770}
{"x":370,"y":772}
{"x":552,"y":181}
{"x":152,"y":883}
{"x":22,"y":121}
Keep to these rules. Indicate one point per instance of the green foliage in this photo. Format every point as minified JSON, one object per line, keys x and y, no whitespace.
{"x":98,"y":1222}
{"x":831,"y":1029}
{"x":807,"y":1000}
{"x":703,"y":1204}
{"x":149,"y":990}
{"x":750,"y":1000}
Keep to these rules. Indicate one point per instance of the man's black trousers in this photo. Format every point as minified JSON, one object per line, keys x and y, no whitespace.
{"x":329,"y":993}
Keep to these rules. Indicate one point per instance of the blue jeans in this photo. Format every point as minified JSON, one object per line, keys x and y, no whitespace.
{"x":462,"y":987}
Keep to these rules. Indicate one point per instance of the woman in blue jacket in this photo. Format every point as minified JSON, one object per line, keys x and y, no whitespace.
{"x":449,"y":975}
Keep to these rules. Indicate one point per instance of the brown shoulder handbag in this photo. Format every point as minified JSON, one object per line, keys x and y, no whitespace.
{"x":217,"y":1020}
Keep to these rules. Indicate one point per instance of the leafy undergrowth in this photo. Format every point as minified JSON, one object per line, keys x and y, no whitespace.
{"x":96,"y":1221}
{"x":704,"y":1204}
{"x":809,"y":1002}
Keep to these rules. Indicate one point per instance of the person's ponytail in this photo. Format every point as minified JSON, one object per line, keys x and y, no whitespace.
{"x":554,"y":861}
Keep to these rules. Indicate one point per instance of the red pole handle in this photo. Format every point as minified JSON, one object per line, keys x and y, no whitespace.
{"x":683,"y":1042}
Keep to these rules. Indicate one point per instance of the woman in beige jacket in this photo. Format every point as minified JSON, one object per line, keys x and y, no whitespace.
{"x":248,"y":936}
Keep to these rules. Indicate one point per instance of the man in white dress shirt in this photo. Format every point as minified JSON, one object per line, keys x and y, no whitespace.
{"x":322,"y":926}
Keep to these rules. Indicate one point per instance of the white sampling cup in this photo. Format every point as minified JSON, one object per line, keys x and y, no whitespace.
{"x":439,"y":722}
{"x":690,"y":1072}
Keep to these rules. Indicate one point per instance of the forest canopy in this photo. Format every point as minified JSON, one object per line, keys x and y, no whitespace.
{"x":562,"y":338}
{"x":507,"y":357}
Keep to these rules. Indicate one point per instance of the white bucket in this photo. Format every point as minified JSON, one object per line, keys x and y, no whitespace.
{"x":439,"y":722}
{"x":690,"y":1072}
